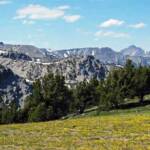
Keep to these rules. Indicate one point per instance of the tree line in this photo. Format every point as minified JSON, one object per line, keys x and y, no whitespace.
{"x":51,"y":99}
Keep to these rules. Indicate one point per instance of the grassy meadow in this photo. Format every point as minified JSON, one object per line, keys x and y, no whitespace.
{"x":122,"y":131}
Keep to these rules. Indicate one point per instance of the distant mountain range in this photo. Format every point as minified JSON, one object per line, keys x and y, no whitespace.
{"x":108,"y":55}
{"x":105,"y":54}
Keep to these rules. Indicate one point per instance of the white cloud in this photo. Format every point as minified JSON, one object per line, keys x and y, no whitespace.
{"x":138,"y":25}
{"x":39,"y":12}
{"x":111,"y":22}
{"x":111,"y":34}
{"x":4,"y":2}
{"x":72,"y":18}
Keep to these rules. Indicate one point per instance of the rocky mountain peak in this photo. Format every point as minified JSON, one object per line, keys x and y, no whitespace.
{"x":133,"y":51}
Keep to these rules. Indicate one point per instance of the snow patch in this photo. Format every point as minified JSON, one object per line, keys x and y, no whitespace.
{"x":65,"y":55}
{"x":3,"y":52}
{"x":93,"y":53}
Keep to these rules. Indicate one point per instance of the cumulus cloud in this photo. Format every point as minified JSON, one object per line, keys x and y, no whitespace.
{"x":72,"y":18}
{"x":138,"y":25}
{"x":111,"y":22}
{"x":111,"y":34}
{"x":39,"y":12}
{"x":4,"y":2}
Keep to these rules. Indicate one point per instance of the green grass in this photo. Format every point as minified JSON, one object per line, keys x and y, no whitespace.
{"x":114,"y":130}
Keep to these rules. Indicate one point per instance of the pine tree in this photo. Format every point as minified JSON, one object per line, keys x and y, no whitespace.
{"x":9,"y":113}
{"x":118,"y":85}
{"x":51,"y":92}
{"x":38,"y":113}
{"x":142,"y":82}
{"x":86,"y":94}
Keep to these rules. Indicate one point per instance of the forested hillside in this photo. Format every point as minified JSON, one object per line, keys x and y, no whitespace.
{"x":52,"y":99}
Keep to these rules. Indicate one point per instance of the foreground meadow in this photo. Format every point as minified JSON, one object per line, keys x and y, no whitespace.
{"x":113,"y":132}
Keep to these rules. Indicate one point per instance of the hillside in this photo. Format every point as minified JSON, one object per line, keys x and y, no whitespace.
{"x":122,"y":131}
{"x":12,"y":87}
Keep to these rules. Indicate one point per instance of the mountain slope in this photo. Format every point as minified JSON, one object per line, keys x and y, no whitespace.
{"x":12,"y":87}
{"x":78,"y":69}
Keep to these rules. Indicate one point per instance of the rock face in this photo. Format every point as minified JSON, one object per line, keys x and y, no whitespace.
{"x":15,"y":56}
{"x":78,"y":69}
{"x":12,"y":87}
{"x":73,"y":68}
{"x":29,"y":70}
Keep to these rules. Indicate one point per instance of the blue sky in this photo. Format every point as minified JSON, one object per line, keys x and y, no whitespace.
{"x":59,"y":24}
